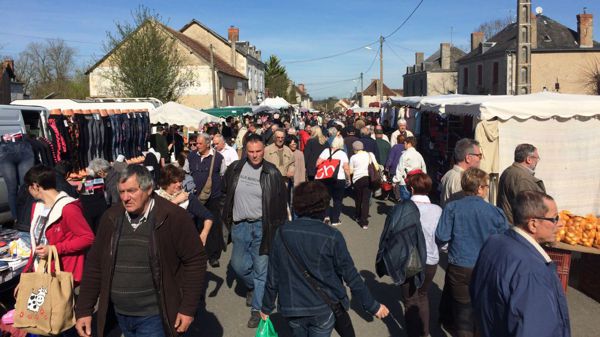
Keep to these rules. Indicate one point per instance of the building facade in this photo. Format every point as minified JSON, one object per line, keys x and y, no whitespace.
{"x":232,"y":86}
{"x":437,"y":75}
{"x":370,"y":97}
{"x":562,"y":60}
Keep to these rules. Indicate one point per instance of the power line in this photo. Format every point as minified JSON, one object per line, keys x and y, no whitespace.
{"x":331,"y":82}
{"x":398,"y":55}
{"x":405,"y":20}
{"x":373,"y":62}
{"x":331,"y":56}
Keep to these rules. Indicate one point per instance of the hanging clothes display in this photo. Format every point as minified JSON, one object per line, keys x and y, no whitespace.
{"x":16,"y":158}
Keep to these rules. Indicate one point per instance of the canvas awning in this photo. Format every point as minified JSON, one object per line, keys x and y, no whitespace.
{"x":178,"y":114}
{"x":229,"y":111}
{"x":275,"y":103}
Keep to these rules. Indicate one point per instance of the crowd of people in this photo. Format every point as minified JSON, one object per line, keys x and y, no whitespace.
{"x":139,"y":238}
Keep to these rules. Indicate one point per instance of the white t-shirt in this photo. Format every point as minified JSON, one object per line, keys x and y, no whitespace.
{"x":339,"y":155}
{"x":359,"y":164}
{"x":430,"y":216}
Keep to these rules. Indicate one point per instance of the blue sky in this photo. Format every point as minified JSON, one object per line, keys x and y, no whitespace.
{"x":292,"y":30}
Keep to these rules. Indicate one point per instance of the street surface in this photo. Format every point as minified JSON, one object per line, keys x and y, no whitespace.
{"x":226,"y":314}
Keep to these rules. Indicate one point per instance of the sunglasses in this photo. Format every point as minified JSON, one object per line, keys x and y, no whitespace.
{"x":553,"y":220}
{"x":192,"y":144}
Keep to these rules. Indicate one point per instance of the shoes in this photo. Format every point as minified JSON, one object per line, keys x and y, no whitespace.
{"x":214,"y":263}
{"x":249,"y":295}
{"x":335,"y":224}
{"x":254,"y":319}
{"x":365,"y":227}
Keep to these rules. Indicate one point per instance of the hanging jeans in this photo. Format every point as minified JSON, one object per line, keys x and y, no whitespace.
{"x":116,"y":138}
{"x":91,"y":141}
{"x":99,"y":151}
{"x":15,"y":160}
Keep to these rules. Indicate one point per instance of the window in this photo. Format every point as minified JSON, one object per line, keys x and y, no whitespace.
{"x":465,"y":77}
{"x":479,"y":74}
{"x":495,"y":73}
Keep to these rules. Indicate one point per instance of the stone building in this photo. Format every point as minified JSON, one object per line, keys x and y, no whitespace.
{"x":239,"y":73}
{"x":562,"y":60}
{"x":369,"y":95}
{"x":437,"y":75}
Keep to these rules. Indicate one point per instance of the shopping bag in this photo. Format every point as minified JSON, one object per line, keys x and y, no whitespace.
{"x":266,"y":329}
{"x":328,"y":169}
{"x":45,"y":299}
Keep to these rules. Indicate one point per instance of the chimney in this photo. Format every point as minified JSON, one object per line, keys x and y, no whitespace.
{"x":234,"y":36}
{"x":419,"y":59}
{"x":585,"y":26}
{"x":534,"y":34}
{"x":445,"y":55}
{"x":476,"y":39}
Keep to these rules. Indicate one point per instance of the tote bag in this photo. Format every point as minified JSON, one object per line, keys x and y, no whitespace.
{"x":328,"y":169}
{"x":45,"y":299}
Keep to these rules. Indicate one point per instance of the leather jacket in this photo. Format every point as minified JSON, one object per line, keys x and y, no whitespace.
{"x":274,"y":199}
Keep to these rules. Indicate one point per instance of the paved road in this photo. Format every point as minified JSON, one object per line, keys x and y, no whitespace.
{"x":226,"y":314}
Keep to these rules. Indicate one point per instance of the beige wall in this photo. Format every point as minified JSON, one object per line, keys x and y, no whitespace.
{"x":441,"y":83}
{"x":222,"y":49}
{"x":570,"y":69}
{"x":415,"y":84}
{"x":370,"y":99}
{"x":487,"y":86}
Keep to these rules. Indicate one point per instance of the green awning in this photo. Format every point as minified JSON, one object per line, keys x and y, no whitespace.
{"x":229,"y":111}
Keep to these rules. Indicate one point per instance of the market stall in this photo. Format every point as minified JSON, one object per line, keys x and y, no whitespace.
{"x":233,"y":111}
{"x":173,"y":113}
{"x":276,"y":103}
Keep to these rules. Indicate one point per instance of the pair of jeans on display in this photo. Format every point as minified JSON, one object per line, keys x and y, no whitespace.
{"x":16,"y":158}
{"x":246,"y":261}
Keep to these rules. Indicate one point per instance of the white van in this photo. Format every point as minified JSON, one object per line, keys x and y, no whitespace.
{"x":27,"y":120}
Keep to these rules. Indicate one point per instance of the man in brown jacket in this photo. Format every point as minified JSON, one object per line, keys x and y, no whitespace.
{"x":147,"y":265}
{"x":519,"y":177}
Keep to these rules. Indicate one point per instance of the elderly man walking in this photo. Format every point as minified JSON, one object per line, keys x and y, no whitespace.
{"x":401,"y":131}
{"x":518,"y":177}
{"x":255,"y":205}
{"x":146,"y":265}
{"x":514,"y":286}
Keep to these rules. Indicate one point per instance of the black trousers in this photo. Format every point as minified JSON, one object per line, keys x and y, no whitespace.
{"x":361,"y":200}
{"x":456,"y":311}
{"x":416,"y":304}
{"x":214,"y":242}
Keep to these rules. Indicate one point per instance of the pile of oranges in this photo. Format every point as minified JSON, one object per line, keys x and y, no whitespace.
{"x":579,"y":230}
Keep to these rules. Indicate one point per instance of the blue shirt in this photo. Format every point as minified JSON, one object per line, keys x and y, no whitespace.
{"x":465,"y":225}
{"x":515,"y":292}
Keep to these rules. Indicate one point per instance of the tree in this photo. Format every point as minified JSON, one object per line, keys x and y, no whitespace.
{"x":493,"y":27}
{"x":591,"y":76}
{"x":48,"y":68}
{"x":291,"y":96}
{"x":144,"y":60}
{"x":276,"y":78}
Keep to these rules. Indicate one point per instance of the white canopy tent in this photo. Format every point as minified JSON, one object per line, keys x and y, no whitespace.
{"x":565,"y":130}
{"x":179,"y":114}
{"x":275,"y":103}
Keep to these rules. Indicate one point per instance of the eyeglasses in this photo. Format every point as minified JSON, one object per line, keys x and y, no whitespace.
{"x":553,"y":220}
{"x":479,"y":155}
{"x":192,"y":144}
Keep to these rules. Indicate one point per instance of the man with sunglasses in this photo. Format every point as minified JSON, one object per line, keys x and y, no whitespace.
{"x":514,"y":286}
{"x":467,"y":154}
{"x":518,"y":177}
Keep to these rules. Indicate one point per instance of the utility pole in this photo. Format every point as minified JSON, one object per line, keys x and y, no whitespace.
{"x":380,"y":86}
{"x":361,"y":90}
{"x":212,"y":75}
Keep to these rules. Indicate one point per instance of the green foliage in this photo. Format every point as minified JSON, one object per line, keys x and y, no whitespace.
{"x":291,"y":95}
{"x":327,"y":104}
{"x":276,"y":78}
{"x":144,"y":60}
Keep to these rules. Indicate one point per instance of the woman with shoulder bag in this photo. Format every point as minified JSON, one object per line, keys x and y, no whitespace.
{"x":308,"y":265}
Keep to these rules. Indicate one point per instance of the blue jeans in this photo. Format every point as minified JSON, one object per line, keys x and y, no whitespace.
{"x":312,"y":326}
{"x":336,"y":191}
{"x":15,"y":160}
{"x":141,"y":326}
{"x":246,"y":261}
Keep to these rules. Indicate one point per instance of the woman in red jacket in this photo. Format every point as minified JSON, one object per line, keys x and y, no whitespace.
{"x":56,"y":220}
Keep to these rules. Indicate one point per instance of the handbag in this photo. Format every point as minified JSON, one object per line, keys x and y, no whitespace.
{"x":266,"y":329}
{"x":414,"y":265}
{"x":45,"y":299}
{"x":374,"y":175}
{"x":328,"y":169}
{"x":204,"y":194}
{"x":343,"y":323}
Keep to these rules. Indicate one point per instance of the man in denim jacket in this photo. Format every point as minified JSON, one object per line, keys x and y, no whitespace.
{"x":322,"y":250}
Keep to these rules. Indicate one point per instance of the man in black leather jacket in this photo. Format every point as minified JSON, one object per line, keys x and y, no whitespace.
{"x":255,"y":205}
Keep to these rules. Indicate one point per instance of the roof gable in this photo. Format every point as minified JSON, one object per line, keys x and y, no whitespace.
{"x":434,"y":62}
{"x":371,"y":90}
{"x":551,"y":36}
{"x":198,"y":49}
